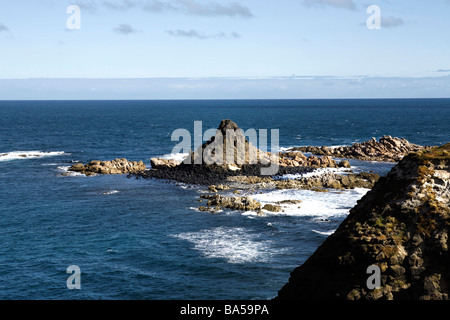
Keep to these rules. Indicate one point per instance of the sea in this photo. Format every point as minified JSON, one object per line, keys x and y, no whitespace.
{"x":145,"y":239}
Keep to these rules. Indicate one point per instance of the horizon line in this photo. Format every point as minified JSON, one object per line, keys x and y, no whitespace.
{"x":230,"y":99}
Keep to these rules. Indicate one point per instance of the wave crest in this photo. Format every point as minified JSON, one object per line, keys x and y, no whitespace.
{"x":18,"y":155}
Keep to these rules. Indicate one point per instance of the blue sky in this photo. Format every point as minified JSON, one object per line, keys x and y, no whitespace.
{"x":160,"y":49}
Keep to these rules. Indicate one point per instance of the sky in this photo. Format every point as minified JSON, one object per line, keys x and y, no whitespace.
{"x":219,"y":49}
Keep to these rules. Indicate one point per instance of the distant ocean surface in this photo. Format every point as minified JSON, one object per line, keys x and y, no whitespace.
{"x":145,"y":239}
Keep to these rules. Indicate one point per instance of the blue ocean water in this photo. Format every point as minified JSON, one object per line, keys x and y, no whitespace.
{"x":144,"y":239}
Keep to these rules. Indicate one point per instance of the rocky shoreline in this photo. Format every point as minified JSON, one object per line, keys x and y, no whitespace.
{"x":248,"y":175}
{"x":401,"y":226}
{"x":188,"y":171}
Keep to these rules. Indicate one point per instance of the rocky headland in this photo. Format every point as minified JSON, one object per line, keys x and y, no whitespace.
{"x":401,"y":226}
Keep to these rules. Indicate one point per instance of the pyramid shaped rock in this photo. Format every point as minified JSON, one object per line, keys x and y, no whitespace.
{"x":229,"y":147}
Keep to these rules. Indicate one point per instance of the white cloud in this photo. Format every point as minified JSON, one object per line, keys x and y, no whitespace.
{"x":189,"y":7}
{"x":125,"y":29}
{"x":121,"y":5}
{"x":86,"y":6}
{"x":3,"y":27}
{"x":214,"y":9}
{"x":199,"y":35}
{"x":343,"y":4}
{"x":391,"y":22}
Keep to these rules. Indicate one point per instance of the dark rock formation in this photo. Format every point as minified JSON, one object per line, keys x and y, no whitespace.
{"x":386,"y":149}
{"x":401,"y":226}
{"x":212,"y":174}
{"x":116,"y":166}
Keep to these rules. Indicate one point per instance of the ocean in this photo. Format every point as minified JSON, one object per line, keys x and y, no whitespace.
{"x":146,"y":239}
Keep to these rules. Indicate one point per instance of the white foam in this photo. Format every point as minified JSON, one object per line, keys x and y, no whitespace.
{"x":236,"y":245}
{"x":303,"y":146}
{"x":314,"y":204}
{"x":315,"y":173}
{"x":284,"y":149}
{"x":110,"y":192}
{"x":175,"y":156}
{"x":198,"y":210}
{"x":16,"y":155}
{"x":65,"y":171}
{"x":338,"y":146}
{"x":324,"y":233}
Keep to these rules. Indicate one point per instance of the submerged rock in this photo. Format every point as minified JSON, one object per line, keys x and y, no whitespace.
{"x":289,"y":201}
{"x":272,"y":207}
{"x":401,"y":226}
{"x":344,"y":164}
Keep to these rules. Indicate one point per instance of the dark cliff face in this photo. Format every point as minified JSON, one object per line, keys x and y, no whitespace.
{"x":400,"y":226}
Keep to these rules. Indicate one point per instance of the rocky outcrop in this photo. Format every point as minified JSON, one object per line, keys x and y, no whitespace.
{"x":212,"y":174}
{"x":228,"y":147}
{"x":298,"y":159}
{"x":344,"y":164}
{"x":217,"y":202}
{"x":401,"y":227}
{"x":161,"y":163}
{"x":272,"y":207}
{"x":116,"y":166}
{"x":230,"y":153}
{"x":388,"y":149}
{"x":330,"y":180}
{"x":216,"y":188}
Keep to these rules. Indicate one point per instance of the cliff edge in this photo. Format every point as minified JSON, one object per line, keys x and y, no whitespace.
{"x":401,"y":226}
